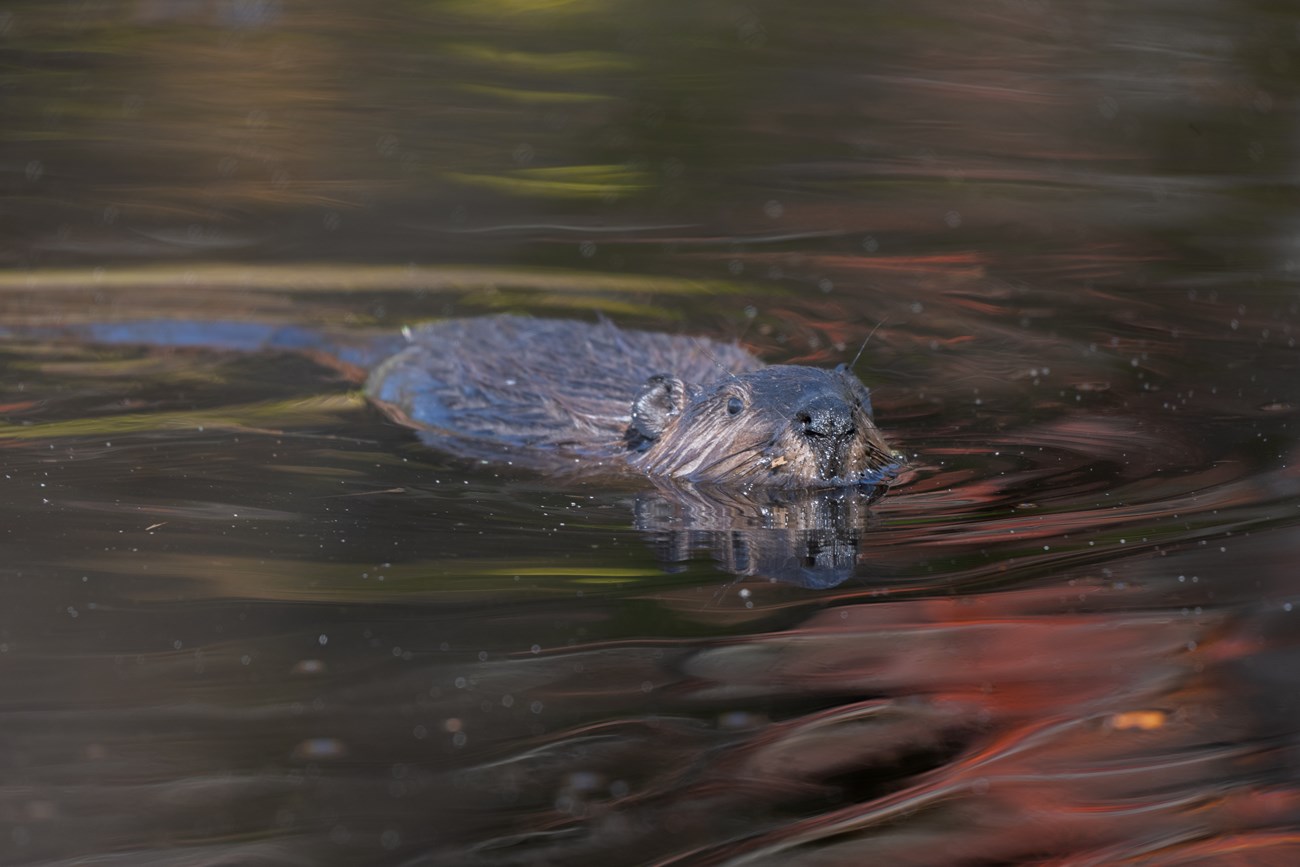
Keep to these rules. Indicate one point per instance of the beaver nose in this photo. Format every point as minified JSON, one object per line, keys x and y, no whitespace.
{"x":826,"y":417}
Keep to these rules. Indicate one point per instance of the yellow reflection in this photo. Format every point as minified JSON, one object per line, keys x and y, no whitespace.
{"x":1142,"y":720}
{"x":533,"y":97}
{"x":586,"y":182}
{"x":532,"y":61}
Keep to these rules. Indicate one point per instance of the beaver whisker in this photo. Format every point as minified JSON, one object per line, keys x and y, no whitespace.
{"x":711,"y":357}
{"x":854,"y":363}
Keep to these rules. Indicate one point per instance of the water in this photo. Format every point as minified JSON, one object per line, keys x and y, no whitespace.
{"x":246,"y":619}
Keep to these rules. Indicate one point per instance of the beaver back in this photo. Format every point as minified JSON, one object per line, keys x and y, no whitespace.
{"x":514,"y":383}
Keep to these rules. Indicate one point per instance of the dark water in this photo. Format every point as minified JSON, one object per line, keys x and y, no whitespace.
{"x":246,"y":619}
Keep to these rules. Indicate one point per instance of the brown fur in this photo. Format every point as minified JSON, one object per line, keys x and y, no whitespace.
{"x":669,"y":406}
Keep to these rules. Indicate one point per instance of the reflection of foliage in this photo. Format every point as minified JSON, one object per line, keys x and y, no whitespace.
{"x":220,"y":129}
{"x":209,"y":118}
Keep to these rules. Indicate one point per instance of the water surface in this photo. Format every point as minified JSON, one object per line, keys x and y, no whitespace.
{"x":246,"y":619}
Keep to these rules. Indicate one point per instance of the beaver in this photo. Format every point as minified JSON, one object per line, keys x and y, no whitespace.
{"x":533,"y":390}
{"x":669,"y":406}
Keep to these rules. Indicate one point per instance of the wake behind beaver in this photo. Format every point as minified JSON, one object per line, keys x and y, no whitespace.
{"x":558,"y":394}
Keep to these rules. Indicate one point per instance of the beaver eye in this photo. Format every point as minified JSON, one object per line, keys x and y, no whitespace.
{"x":734,"y":406}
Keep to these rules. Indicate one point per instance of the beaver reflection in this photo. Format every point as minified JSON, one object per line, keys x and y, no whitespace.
{"x":547,"y":392}
{"x":808,"y":538}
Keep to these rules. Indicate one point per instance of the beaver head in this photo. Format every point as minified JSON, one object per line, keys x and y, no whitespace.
{"x":784,"y":425}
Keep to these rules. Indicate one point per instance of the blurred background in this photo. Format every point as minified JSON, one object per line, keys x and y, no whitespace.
{"x":245,"y":619}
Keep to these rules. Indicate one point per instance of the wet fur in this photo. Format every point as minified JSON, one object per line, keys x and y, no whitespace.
{"x":541,"y":389}
{"x":761,"y":444}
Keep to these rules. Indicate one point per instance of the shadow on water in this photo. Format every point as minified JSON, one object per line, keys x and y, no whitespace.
{"x":246,"y":619}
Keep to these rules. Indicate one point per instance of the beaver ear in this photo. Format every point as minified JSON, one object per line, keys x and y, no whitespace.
{"x":658,"y":402}
{"x":860,"y":391}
